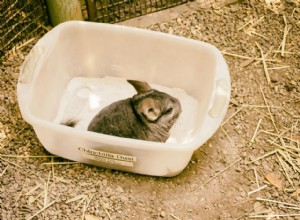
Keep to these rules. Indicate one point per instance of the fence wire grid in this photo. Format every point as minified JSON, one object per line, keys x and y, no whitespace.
{"x":112,"y":11}
{"x":21,"y":20}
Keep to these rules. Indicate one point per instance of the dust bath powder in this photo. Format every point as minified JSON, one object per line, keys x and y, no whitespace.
{"x":85,"y":97}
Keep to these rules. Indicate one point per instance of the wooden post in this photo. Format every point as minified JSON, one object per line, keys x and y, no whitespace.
{"x":64,"y":10}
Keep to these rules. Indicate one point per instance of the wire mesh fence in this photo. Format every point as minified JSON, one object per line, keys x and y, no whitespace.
{"x":112,"y":11}
{"x":21,"y":20}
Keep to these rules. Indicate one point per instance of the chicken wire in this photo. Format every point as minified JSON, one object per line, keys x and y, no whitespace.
{"x":112,"y":11}
{"x":21,"y":20}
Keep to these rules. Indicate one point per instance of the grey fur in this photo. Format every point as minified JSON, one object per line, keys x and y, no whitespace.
{"x":148,"y":115}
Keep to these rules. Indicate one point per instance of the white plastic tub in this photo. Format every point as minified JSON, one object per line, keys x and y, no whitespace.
{"x":96,"y":50}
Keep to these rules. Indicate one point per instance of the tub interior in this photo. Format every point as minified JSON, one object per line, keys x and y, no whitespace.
{"x":90,"y":50}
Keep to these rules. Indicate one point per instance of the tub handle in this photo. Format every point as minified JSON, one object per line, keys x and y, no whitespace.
{"x":29,"y":65}
{"x":220,"y":100}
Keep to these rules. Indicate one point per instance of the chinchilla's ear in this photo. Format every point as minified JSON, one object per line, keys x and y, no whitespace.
{"x":140,"y":87}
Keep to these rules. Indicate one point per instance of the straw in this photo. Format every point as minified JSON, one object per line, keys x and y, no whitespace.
{"x":257,"y":190}
{"x":1,"y":158}
{"x":262,"y":106}
{"x":26,"y":43}
{"x":288,"y":149}
{"x":294,"y":208}
{"x":264,"y":63}
{"x":36,"y":198}
{"x":278,"y":67}
{"x":85,"y":206}
{"x":52,"y":169}
{"x":282,"y":163}
{"x":33,"y":189}
{"x":279,"y":136}
{"x":269,"y":216}
{"x":46,"y":188}
{"x":285,"y":52}
{"x":242,"y":27}
{"x":27,"y":156}
{"x":81,"y":201}
{"x":175,"y":217}
{"x":76,"y":198}
{"x":59,"y":163}
{"x":43,"y":209}
{"x":256,"y":177}
{"x":259,"y":20}
{"x":248,"y":58}
{"x":288,"y":160}
{"x":265,"y":100}
{"x":3,"y":172}
{"x":256,"y":130}
{"x":222,"y":171}
{"x":226,"y":134}
{"x":107,"y":213}
{"x":277,"y":202}
{"x":232,"y":116}
{"x":8,"y":141}
{"x":252,"y":25}
{"x":285,"y":33}
{"x":263,"y":156}
{"x":260,"y":35}
{"x":20,"y":194}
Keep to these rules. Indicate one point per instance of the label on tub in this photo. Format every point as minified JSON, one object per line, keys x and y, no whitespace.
{"x":118,"y":159}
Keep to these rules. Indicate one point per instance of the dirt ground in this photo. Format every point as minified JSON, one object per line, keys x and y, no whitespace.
{"x":249,"y":169}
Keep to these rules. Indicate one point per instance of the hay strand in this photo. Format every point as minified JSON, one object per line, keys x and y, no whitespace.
{"x":59,"y":163}
{"x":264,"y":63}
{"x":3,"y":172}
{"x":286,"y":174}
{"x":76,"y":198}
{"x":269,"y":110}
{"x":278,"y":67}
{"x":256,"y":177}
{"x":256,"y":130}
{"x":43,"y":209}
{"x":277,"y":202}
{"x":85,"y":206}
{"x":263,"y":156}
{"x":36,"y":198}
{"x":219,"y":173}
{"x":1,"y":158}
{"x":175,"y":217}
{"x":269,"y":216}
{"x":257,"y":190}
{"x":285,"y":33}
{"x":247,"y":57}
{"x":105,"y":209}
{"x":46,"y":189}
{"x":232,"y":116}
{"x":27,"y":156}
{"x":33,"y":189}
{"x":226,"y":134}
{"x":288,"y":160}
{"x":260,"y":35}
{"x":26,"y":43}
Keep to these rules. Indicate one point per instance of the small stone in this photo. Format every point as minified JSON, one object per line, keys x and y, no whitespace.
{"x":274,"y":77}
{"x":162,"y":214}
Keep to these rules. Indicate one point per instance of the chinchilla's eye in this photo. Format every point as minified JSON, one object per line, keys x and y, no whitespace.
{"x":169,"y":111}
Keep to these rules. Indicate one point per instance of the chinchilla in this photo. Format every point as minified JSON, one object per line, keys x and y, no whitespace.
{"x":148,"y":115}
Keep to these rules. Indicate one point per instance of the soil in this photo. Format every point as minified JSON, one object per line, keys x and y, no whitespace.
{"x":249,"y":169}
